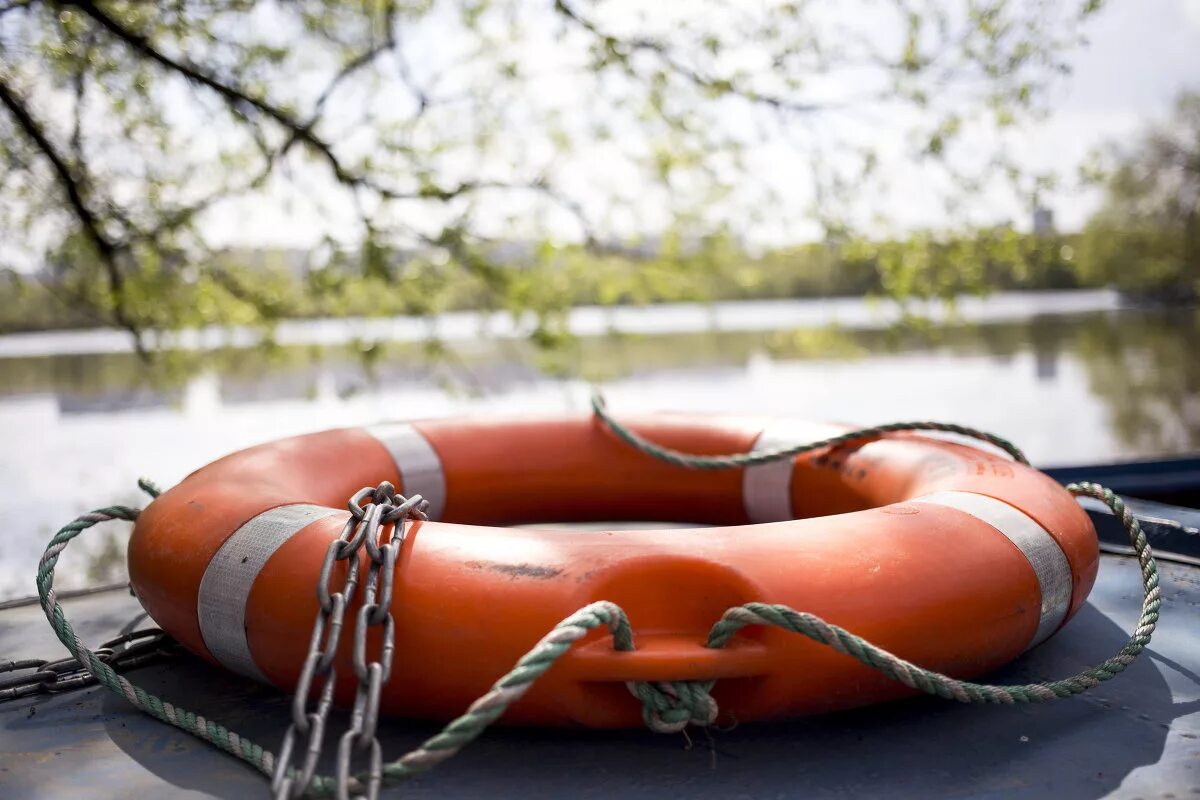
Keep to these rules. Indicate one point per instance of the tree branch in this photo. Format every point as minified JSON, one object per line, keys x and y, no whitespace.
{"x":699,"y":79}
{"x":388,"y":42}
{"x":107,"y":249}
{"x":235,"y":97}
{"x":239,"y":100}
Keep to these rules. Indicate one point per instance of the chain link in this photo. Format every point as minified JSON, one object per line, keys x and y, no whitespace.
{"x":376,"y":526}
{"x":30,"y":676}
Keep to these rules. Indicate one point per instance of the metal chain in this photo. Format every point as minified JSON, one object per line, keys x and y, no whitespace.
{"x":378,"y":528}
{"x":29,"y":676}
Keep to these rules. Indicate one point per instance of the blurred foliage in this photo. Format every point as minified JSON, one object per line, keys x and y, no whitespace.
{"x":617,"y":139}
{"x":1146,"y":237}
{"x":922,"y":266}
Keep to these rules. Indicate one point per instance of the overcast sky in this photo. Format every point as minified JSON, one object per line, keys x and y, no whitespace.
{"x":1141,"y":54}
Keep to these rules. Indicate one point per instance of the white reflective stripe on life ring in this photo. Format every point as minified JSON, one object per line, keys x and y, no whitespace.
{"x":418,"y":463}
{"x":767,"y":488}
{"x":230,"y":575}
{"x":1044,"y":554}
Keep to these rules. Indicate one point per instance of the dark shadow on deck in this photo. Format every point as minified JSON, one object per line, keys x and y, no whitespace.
{"x":927,"y":748}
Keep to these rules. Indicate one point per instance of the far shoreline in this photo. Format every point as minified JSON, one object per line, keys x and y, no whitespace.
{"x":850,"y":313}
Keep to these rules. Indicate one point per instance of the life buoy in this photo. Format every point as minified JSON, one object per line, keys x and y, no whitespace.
{"x":948,"y":555}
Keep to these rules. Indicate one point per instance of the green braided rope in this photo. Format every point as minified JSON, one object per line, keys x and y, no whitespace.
{"x":949,"y":688}
{"x":736,"y":460}
{"x":669,"y":707}
{"x":666,"y":706}
{"x":198,"y":726}
{"x":449,"y":741}
{"x":509,"y":688}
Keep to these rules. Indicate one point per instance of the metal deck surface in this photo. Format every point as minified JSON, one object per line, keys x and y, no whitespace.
{"x":1137,"y":736}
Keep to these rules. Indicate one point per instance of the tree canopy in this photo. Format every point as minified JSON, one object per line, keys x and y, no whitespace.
{"x":1146,"y":236}
{"x":429,"y":138}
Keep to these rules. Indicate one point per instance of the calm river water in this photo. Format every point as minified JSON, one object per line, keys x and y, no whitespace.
{"x":1071,"y":377}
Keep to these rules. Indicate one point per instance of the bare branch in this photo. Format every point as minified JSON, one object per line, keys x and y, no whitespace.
{"x":406,"y":77}
{"x":710,"y":83}
{"x":239,"y":101}
{"x":237,"y":98}
{"x":107,"y":249}
{"x":363,"y":59}
{"x":79,"y":86}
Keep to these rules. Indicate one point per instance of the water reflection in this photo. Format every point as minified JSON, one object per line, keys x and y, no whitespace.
{"x":1146,"y":370}
{"x":1139,"y":364}
{"x":1069,"y":388}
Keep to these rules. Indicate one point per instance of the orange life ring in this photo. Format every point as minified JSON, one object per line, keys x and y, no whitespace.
{"x":950,"y":556}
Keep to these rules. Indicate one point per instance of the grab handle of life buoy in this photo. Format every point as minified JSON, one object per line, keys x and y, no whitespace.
{"x":686,"y":657}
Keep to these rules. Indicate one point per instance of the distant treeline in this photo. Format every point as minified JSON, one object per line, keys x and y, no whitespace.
{"x":552,"y":279}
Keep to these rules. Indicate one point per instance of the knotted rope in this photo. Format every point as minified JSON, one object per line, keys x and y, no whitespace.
{"x":670,"y":706}
{"x":667,"y":706}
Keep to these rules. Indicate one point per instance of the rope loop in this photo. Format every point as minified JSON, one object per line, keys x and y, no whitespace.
{"x":679,"y":458}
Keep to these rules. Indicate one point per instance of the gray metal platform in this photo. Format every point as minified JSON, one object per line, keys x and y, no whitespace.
{"x":1135,"y":737}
